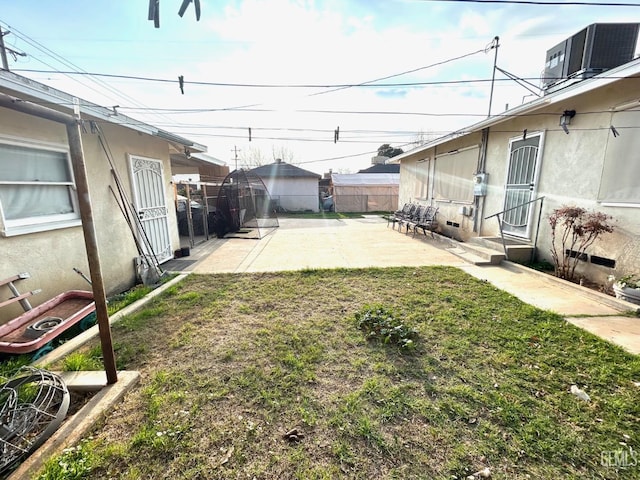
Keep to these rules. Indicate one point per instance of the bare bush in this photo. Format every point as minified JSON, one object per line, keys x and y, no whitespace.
{"x":575,"y":230}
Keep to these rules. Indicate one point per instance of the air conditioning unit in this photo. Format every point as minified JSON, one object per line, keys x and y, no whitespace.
{"x":593,"y":50}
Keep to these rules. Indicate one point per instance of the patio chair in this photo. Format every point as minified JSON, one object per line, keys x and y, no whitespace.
{"x":411,"y":218}
{"x":427,"y":222}
{"x":398,"y":215}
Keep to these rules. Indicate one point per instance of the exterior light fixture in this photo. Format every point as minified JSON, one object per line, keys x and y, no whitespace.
{"x":565,"y":119}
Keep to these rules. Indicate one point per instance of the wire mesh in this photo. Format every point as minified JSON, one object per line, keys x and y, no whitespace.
{"x":33,"y":404}
{"x":244,"y":207}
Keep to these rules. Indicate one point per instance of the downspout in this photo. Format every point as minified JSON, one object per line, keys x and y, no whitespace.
{"x":74,"y":137}
{"x":482,"y":163}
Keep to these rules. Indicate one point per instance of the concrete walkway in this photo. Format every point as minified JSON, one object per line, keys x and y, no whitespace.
{"x":368,"y":242}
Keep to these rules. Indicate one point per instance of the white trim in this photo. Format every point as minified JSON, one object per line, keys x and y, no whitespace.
{"x":456,"y":151}
{"x":34,"y":143}
{"x":40,"y":227}
{"x":622,"y":205}
{"x":626,"y":105}
{"x":453,"y":202}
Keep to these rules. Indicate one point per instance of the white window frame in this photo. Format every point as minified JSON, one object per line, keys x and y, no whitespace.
{"x":423,"y":177}
{"x":41,"y":223}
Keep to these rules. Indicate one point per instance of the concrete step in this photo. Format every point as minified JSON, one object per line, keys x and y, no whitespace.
{"x":476,"y":258}
{"x":518,"y":251}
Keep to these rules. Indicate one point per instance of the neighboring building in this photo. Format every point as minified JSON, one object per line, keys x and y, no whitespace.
{"x":40,"y":227}
{"x":365,"y":192}
{"x":382,"y":168}
{"x":291,"y":188}
{"x":577,"y":145}
{"x":198,"y":168}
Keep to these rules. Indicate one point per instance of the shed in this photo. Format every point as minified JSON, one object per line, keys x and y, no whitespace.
{"x":291,"y":188}
{"x":365,"y":192}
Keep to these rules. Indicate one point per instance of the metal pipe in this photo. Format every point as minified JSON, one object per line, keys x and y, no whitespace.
{"x":535,"y":242}
{"x":504,"y":245}
{"x":29,"y":108}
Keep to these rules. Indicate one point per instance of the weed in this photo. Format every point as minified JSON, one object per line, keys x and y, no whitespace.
{"x":74,"y":463}
{"x":77,"y":361}
{"x":383,"y":324}
{"x":10,"y":365}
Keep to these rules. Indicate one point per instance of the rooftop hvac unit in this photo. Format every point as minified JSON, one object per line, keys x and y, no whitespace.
{"x":593,"y":50}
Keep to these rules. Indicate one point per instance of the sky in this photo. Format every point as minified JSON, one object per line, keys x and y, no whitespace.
{"x":294,"y":71}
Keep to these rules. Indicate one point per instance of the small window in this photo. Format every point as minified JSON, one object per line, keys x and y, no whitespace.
{"x":37,"y":190}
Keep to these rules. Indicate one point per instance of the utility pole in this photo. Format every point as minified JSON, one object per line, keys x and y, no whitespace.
{"x":235,"y":151}
{"x":3,"y":51}
{"x":496,"y":44}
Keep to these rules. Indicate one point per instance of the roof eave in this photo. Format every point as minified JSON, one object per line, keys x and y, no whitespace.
{"x":58,"y":99}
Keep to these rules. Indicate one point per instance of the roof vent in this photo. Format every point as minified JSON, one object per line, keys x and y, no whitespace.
{"x":593,"y":50}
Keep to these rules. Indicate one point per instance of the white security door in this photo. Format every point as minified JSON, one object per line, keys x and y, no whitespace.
{"x":520,"y":186}
{"x":150,"y":203}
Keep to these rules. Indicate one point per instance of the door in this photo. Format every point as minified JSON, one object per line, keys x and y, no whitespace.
{"x":150,"y":203}
{"x":520,"y":187}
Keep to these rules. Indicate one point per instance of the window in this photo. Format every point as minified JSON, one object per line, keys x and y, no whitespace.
{"x":421,"y":185}
{"x":454,"y":175}
{"x":36,"y":188}
{"x":619,"y":184}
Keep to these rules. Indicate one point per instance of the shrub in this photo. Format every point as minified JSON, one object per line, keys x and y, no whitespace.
{"x":575,"y":230}
{"x":630,"y":281}
{"x":383,"y":324}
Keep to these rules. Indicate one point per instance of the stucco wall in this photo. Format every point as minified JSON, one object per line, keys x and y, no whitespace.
{"x":50,"y":256}
{"x":569,"y":174}
{"x":423,"y":166}
{"x":295,"y":194}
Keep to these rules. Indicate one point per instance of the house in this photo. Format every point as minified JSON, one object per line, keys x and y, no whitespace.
{"x":380,"y":164}
{"x":382,"y":168}
{"x":291,"y":188}
{"x":365,"y":192}
{"x":129,"y":166}
{"x":578,"y":144}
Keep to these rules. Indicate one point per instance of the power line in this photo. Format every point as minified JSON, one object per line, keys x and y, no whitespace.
{"x":47,"y":51}
{"x":332,"y":112}
{"x":285,"y":139}
{"x":267,"y":85}
{"x":400,"y":74}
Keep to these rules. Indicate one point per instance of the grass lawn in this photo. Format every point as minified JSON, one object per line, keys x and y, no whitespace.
{"x":231,"y":363}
